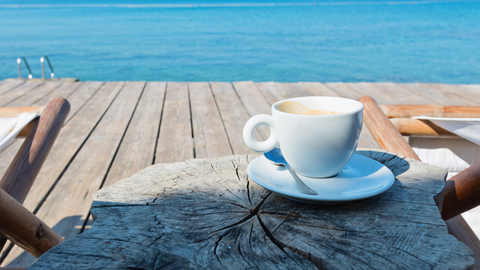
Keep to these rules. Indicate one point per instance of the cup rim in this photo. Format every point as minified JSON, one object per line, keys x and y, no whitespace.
{"x":273,"y":107}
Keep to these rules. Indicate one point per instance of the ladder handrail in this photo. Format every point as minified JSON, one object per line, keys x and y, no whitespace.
{"x":42,"y":62}
{"x":19,"y":62}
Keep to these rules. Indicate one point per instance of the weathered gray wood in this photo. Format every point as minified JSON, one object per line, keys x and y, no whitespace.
{"x":271,"y":92}
{"x":39,"y":92}
{"x":254,"y":103}
{"x":19,"y":91}
{"x":318,"y":89}
{"x":9,"y":85}
{"x":233,"y":113}
{"x":208,"y":129}
{"x":401,"y":95}
{"x":64,"y":90}
{"x":138,"y":145}
{"x":175,"y":141}
{"x":207,"y":213}
{"x":380,"y":96}
{"x":293,"y":89}
{"x":344,"y":90}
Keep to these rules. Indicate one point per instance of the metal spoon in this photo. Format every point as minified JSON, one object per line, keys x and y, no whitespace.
{"x":276,"y":157}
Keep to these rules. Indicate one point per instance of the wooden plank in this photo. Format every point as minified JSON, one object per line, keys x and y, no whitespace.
{"x":271,"y":92}
{"x":401,"y":95}
{"x":39,"y":92}
{"x":432,"y":95}
{"x":19,"y":91}
{"x":452,"y":94}
{"x":318,"y":89}
{"x":85,"y":92}
{"x":78,"y":98}
{"x":293,"y":89}
{"x":175,"y":139}
{"x":65,"y":90}
{"x":344,"y":90}
{"x":68,"y":205}
{"x":138,"y":145}
{"x":254,"y":103}
{"x":233,"y":113}
{"x":208,"y":130}
{"x":9,"y":85}
{"x":380,"y":96}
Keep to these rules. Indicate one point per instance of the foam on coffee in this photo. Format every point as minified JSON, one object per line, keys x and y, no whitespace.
{"x":297,"y":108}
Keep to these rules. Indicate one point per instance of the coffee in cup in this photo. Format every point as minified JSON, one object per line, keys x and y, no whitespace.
{"x":315,"y":145}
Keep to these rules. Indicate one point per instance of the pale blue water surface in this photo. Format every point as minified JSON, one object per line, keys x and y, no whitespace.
{"x":255,"y":40}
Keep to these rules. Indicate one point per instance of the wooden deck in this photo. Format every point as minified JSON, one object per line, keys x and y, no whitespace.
{"x":115,"y":129}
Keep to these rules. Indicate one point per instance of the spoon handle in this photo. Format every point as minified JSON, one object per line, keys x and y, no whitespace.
{"x":304,"y":188}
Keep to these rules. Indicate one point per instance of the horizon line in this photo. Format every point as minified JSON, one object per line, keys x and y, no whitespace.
{"x":232,"y":4}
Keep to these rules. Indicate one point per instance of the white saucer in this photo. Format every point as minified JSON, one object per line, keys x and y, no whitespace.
{"x":361,"y":178}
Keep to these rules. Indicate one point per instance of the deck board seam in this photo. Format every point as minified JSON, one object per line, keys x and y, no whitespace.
{"x":160,"y":124}
{"x":13,"y":88}
{"x":26,"y":93}
{"x":221,"y":118}
{"x":74,"y":155}
{"x":191,"y":119}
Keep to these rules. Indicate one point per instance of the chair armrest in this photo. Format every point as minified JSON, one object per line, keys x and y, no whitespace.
{"x":407,"y":111}
{"x":24,"y":168}
{"x":383,"y":130}
{"x":461,"y":192}
{"x":23,"y":228}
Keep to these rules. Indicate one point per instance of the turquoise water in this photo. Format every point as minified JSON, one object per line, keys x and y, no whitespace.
{"x":286,"y":42}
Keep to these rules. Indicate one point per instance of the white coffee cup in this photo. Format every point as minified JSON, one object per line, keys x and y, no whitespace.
{"x":317,"y":146}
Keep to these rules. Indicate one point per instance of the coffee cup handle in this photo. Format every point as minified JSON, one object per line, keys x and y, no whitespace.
{"x":252,"y":124}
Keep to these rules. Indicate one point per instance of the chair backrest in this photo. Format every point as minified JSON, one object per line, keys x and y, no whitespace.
{"x":17,"y":223}
{"x":461,"y":191}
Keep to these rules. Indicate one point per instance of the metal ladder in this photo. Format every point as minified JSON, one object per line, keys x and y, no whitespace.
{"x":42,"y":63}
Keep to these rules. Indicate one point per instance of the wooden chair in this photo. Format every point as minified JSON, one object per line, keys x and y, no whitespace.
{"x":461,"y":192}
{"x":18,"y":224}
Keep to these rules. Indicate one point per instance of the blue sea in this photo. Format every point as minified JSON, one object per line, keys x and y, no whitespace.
{"x":285,"y":41}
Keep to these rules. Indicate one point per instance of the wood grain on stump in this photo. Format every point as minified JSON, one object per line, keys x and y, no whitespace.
{"x":207,"y":213}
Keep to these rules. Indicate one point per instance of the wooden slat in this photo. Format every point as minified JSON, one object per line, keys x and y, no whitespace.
{"x":6,"y":112}
{"x":9,"y":85}
{"x":271,"y":92}
{"x":380,"y":96}
{"x":401,"y":95}
{"x":39,"y":92}
{"x":64,"y":90}
{"x":408,"y":126}
{"x":68,"y":205}
{"x":433,"y":95}
{"x":254,"y":104}
{"x":84,"y":93}
{"x":175,"y":139}
{"x":344,"y":90}
{"x":23,"y":89}
{"x":233,"y":113}
{"x":293,"y":89}
{"x":453,"y":94}
{"x":138,"y":146}
{"x":78,"y":98}
{"x":318,"y":89}
{"x":208,"y":130}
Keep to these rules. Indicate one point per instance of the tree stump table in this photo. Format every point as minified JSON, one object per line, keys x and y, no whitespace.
{"x":207,"y":213}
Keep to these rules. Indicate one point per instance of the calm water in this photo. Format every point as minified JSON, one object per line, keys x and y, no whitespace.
{"x":361,"y":41}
